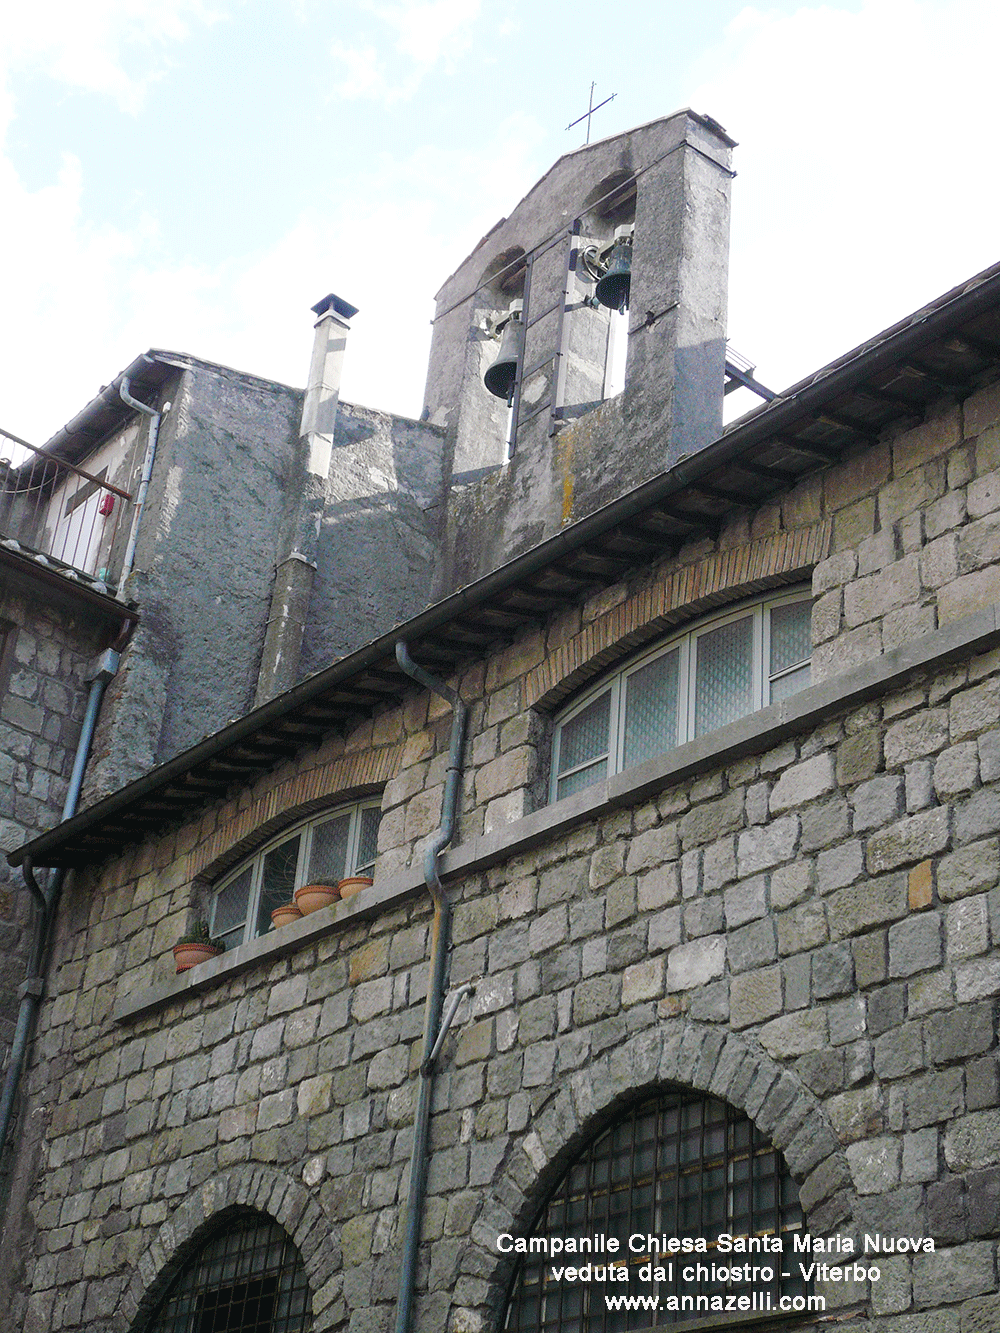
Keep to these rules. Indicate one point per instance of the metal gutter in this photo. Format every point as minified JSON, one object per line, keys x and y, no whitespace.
{"x":47,"y":899}
{"x":155,"y":416}
{"x":433,"y":1026}
{"x":73,"y":585}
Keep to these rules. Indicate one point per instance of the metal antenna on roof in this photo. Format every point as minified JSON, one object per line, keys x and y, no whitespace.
{"x":590,"y":111}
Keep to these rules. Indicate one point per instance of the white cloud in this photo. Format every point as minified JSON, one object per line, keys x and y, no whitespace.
{"x":430,"y":30}
{"x":864,"y":184}
{"x":65,"y":286}
{"x":105,"y":46}
{"x":89,"y":300}
{"x":363,"y":73}
{"x":421,"y":33}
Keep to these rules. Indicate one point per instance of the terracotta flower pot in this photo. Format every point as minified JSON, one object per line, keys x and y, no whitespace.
{"x":311,"y":897}
{"x":189,"y":955}
{"x":353,"y":884}
{"x":286,"y":914}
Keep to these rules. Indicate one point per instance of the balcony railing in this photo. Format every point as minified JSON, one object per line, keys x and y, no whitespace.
{"x":72,"y":520}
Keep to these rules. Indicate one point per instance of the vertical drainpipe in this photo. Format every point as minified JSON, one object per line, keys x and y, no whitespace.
{"x":440,"y":940}
{"x":155,"y":417}
{"x":47,"y":897}
{"x":296,"y":564}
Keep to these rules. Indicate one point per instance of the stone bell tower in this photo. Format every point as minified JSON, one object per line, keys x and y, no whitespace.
{"x":561,"y":445}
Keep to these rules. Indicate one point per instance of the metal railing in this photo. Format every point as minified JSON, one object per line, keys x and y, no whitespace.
{"x":76,"y":519}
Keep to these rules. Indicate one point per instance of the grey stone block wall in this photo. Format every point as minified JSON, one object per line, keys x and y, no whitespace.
{"x":809,"y":930}
{"x":850,"y":1010}
{"x":42,"y":697}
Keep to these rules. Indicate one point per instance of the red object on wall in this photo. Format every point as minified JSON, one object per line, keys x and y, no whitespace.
{"x":107,"y":504}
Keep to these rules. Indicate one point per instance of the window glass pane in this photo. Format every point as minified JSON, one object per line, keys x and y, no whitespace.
{"x":791,"y":635}
{"x":278,"y":883}
{"x":715,"y":1191}
{"x":250,"y":1277}
{"x":231,"y":909}
{"x":586,"y":735}
{"x":583,"y":777}
{"x":368,"y":838}
{"x":724,"y":679}
{"x":651,"y":709}
{"x":790,"y":683}
{"x":328,"y":857}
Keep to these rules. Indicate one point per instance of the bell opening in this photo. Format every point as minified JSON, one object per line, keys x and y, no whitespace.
{"x":613,"y":288}
{"x":501,"y":376}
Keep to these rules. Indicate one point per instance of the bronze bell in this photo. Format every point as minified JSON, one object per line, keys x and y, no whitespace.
{"x":500,"y":377}
{"x":613,"y":288}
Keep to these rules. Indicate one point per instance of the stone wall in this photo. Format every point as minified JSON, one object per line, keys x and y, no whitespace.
{"x":809,"y":933}
{"x":800,"y":915}
{"x":916,"y":535}
{"x":47,"y":650}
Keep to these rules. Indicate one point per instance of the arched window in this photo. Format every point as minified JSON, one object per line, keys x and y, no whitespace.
{"x":326,"y":849}
{"x":246,"y":1278}
{"x":718,"y":670}
{"x":678,"y":1165}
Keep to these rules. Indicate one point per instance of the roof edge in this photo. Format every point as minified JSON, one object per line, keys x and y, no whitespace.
{"x":959,"y":303}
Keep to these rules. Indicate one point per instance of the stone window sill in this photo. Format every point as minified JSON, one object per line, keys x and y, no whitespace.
{"x":755,"y":733}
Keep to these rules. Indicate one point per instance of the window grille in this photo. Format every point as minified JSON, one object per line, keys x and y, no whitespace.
{"x":679,"y":1164}
{"x":715,"y":672}
{"x":247,"y":1278}
{"x":326,"y":849}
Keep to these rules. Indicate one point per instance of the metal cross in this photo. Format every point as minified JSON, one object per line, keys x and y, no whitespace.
{"x":590,"y":111}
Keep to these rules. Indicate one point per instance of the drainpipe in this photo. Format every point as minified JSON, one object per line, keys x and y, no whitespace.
{"x":155,"y":417}
{"x":47,"y":898}
{"x":433,"y":1028}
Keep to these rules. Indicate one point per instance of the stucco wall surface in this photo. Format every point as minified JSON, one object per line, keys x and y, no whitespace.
{"x":203,"y":570}
{"x":379,"y":538}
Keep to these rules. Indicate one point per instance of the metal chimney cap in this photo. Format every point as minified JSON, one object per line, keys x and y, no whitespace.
{"x":337,"y":304}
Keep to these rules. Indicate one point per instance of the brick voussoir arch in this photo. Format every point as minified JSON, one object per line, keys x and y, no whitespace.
{"x":693,"y":1055}
{"x":268,"y":1190}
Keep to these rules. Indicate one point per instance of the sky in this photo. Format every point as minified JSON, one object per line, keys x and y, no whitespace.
{"x":195,"y":174}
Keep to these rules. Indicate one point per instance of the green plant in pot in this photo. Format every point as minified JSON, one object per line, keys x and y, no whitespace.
{"x":195,"y":947}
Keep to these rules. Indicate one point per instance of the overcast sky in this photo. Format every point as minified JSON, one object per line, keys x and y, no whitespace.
{"x":194,"y":174}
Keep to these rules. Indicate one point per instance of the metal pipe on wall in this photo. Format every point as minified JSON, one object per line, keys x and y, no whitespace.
{"x":47,"y":899}
{"x":440,"y":940}
{"x":155,"y":417}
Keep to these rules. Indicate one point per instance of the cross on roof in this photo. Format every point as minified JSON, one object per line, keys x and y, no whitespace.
{"x":590,"y":111}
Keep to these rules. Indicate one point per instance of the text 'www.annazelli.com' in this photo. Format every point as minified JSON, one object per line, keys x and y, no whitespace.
{"x":748,"y":1302}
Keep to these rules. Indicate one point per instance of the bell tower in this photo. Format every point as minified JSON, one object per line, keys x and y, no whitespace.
{"x":624,"y":238}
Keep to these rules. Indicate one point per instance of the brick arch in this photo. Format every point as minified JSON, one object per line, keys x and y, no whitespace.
{"x":272,"y":1192}
{"x":692,"y":1055}
{"x":673,"y":600}
{"x":241,"y":831}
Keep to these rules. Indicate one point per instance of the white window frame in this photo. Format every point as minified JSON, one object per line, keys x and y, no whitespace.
{"x":686,"y":644}
{"x":304,"y":831}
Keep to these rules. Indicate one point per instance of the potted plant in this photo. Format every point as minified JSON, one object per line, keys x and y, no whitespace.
{"x":311,"y":897}
{"x":286,"y":914}
{"x":353,"y":884}
{"x":195,"y":947}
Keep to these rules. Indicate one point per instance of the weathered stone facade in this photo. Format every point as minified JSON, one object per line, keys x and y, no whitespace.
{"x":798,"y":913}
{"x":43,"y":673}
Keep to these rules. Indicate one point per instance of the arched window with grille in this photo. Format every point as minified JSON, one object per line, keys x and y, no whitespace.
{"x":678,"y":1164}
{"x":245,"y":1277}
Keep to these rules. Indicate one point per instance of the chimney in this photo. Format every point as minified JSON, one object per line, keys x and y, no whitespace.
{"x":296,"y":563}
